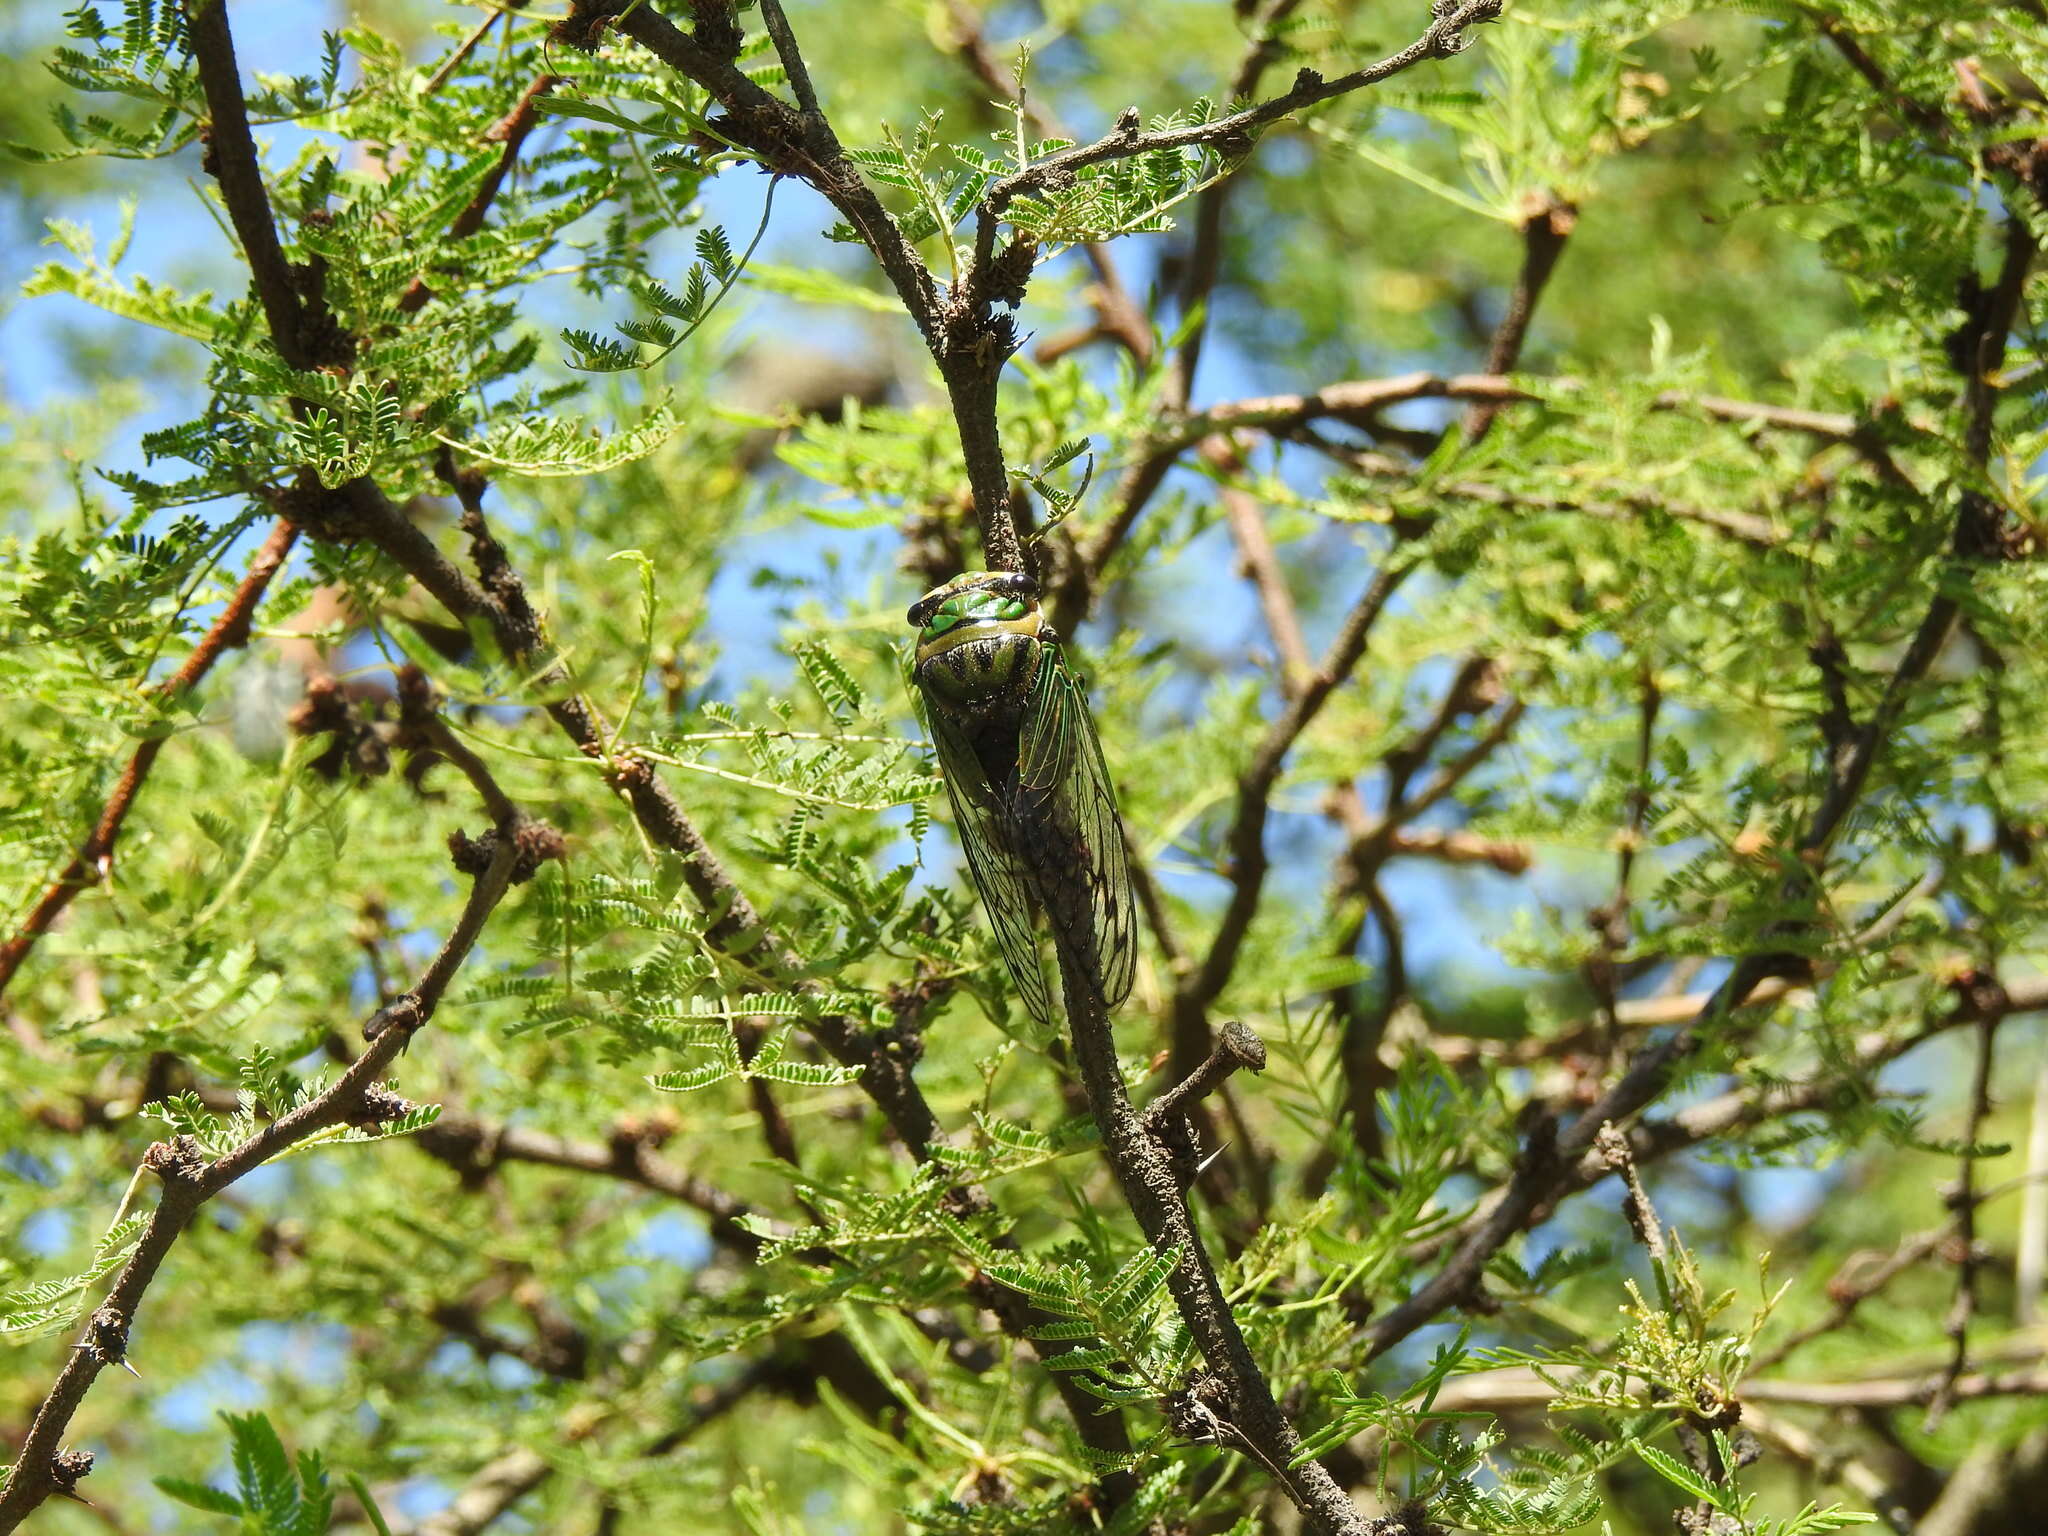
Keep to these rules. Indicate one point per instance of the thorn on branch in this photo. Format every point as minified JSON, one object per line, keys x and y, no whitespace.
{"x":1200,"y":1412}
{"x":1010,"y":273}
{"x":106,"y":1337}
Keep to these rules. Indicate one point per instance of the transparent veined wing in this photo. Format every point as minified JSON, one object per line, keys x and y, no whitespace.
{"x":1065,"y":791}
{"x":998,"y":874}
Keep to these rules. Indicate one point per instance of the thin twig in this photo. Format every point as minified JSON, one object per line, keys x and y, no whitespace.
{"x":1730,"y":1113}
{"x":1245,"y":840}
{"x":792,"y":58}
{"x":1965,"y":1201}
{"x":511,"y":131}
{"x":1205,"y":251}
{"x":189,"y":1181}
{"x":1850,"y":1287}
{"x":1119,"y":317}
{"x":1444,"y":38}
{"x":1545,"y":230}
{"x":94,"y":858}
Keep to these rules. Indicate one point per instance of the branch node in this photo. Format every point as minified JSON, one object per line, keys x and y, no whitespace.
{"x":1200,"y":1410}
{"x":534,"y":843}
{"x":1236,"y":1047}
{"x":67,"y":1469}
{"x":178,"y":1161}
{"x":584,"y":27}
{"x":405,"y":1014}
{"x":106,"y":1336}
{"x":379,"y":1106}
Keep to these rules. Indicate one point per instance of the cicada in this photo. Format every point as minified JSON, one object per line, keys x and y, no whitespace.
{"x":1031,"y":794}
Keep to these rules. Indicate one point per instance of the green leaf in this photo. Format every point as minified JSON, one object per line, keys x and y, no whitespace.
{"x":1678,"y":1474}
{"x":213,"y":1500}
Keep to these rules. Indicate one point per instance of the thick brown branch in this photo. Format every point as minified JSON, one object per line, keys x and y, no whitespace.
{"x":1899,"y":1391}
{"x":1361,"y":401}
{"x":231,"y":159}
{"x":1250,"y":1419}
{"x":792,"y":58}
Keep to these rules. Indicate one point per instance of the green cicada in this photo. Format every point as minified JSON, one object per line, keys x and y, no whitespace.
{"x":1031,"y":795}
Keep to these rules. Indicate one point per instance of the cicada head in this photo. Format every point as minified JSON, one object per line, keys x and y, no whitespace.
{"x":972,"y":596}
{"x":978,"y":636}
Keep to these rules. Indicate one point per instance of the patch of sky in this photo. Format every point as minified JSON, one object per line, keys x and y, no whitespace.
{"x":19,"y":1164}
{"x":312,"y":1354}
{"x":508,"y":1373}
{"x":47,"y":1233}
{"x":672,"y":1238}
{"x":419,"y":1498}
{"x":194,"y":1404}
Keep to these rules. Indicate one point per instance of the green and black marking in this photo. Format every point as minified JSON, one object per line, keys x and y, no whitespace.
{"x":1031,"y":794}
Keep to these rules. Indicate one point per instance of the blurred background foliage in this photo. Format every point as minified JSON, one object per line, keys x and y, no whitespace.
{"x":1628,"y":631}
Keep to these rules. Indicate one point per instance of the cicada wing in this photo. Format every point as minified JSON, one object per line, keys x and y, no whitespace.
{"x":1060,"y":762}
{"x":998,"y":875}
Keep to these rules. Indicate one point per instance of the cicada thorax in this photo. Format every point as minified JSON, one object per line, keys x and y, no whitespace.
{"x":978,"y":659}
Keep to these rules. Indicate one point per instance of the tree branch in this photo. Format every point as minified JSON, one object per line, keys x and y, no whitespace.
{"x":1119,"y":317}
{"x":511,"y":131}
{"x":1444,"y":38}
{"x":94,"y":859}
{"x":1965,"y":1200}
{"x":1156,"y":1193}
{"x":1545,"y":230}
{"x":1245,"y":839}
{"x":792,"y":58}
{"x":231,"y":159}
{"x":1205,"y":253}
{"x":189,"y":1181}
